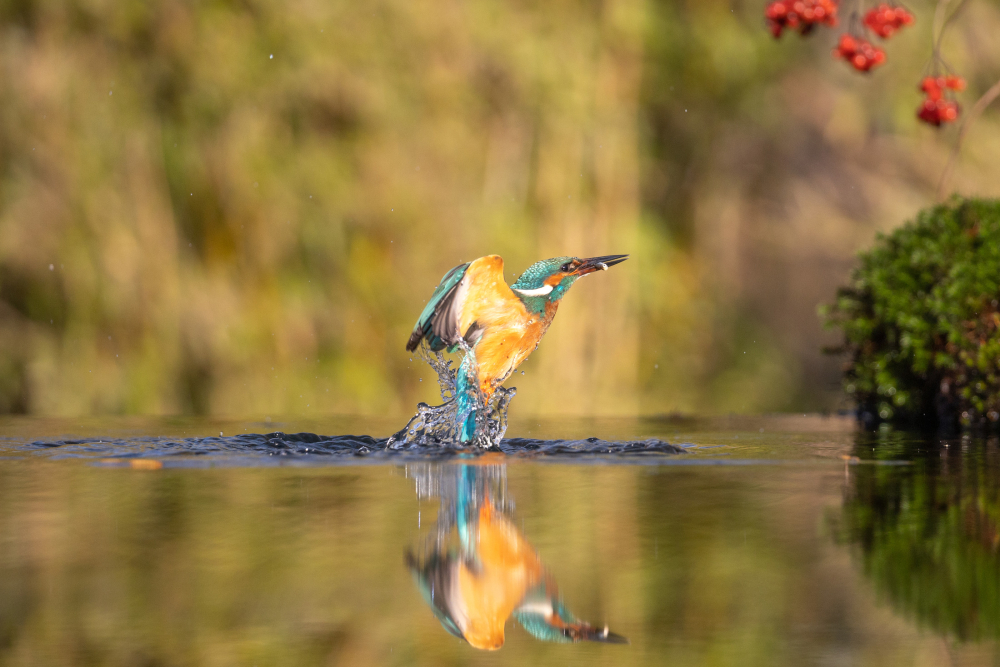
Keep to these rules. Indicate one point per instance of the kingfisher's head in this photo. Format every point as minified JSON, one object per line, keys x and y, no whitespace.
{"x":548,"y":280}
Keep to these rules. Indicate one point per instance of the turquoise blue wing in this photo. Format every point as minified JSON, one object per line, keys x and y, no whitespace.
{"x":438,"y":323}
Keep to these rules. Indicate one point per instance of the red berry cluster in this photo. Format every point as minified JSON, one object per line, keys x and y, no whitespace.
{"x":861,"y":54}
{"x":936,"y":107}
{"x":886,"y":19}
{"x":801,"y":15}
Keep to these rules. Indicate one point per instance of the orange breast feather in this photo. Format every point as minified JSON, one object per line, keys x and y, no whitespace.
{"x":510,"y":331}
{"x":508,"y":567}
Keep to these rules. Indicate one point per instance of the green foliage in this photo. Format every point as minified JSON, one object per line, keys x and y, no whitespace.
{"x":920,"y":319}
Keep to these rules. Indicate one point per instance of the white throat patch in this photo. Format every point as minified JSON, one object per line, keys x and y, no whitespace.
{"x":541,"y":291}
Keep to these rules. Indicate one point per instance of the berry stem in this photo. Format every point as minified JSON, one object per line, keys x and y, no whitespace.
{"x":988,"y":97}
{"x":940,"y":23}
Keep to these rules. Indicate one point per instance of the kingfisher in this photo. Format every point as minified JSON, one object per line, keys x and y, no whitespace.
{"x":500,"y":325}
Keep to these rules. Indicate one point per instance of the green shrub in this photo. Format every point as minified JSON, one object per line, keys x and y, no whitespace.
{"x":920,"y":320}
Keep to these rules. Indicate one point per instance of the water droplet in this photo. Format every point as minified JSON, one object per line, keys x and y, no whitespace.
{"x":52,"y":267}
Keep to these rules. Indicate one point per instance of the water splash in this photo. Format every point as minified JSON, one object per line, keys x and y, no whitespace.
{"x":466,"y":417}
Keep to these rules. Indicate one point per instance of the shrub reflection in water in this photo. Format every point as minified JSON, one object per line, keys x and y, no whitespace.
{"x":929,"y":532}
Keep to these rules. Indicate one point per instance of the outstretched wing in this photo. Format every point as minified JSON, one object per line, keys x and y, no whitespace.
{"x":451,"y":315}
{"x":440,"y":320}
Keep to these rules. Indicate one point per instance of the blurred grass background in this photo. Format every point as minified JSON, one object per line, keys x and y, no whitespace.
{"x":239,"y":208}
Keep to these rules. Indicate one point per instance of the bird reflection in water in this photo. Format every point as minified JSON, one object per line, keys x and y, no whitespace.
{"x":476,"y":569}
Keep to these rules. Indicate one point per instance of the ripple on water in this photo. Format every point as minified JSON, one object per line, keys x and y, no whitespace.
{"x":312,"y":447}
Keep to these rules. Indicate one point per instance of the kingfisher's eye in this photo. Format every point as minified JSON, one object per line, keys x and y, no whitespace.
{"x":567,"y":267}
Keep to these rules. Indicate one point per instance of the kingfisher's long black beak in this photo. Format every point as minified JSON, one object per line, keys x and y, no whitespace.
{"x":592,"y":264}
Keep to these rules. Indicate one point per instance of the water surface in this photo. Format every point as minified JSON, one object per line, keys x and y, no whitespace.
{"x":784,"y":541}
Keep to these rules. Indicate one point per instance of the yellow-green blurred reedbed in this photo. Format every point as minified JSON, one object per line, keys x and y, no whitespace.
{"x":234,"y":208}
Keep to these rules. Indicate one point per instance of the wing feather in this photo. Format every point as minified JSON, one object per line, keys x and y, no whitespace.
{"x":439,"y":320}
{"x":450,"y":315}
